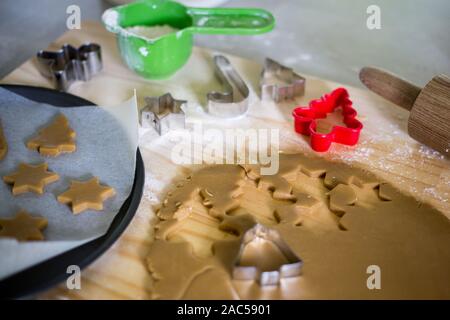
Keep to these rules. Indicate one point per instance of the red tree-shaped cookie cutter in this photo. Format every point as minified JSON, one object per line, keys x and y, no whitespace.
{"x":305,"y":120}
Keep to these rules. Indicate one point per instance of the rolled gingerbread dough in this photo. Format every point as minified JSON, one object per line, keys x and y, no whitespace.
{"x":343,"y":222}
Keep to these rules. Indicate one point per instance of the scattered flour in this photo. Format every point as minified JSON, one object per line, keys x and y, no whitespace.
{"x":153,"y":187}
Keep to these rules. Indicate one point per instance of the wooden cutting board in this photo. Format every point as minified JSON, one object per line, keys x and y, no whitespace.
{"x":384,"y":148}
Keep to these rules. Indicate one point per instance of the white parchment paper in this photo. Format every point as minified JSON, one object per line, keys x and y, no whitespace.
{"x":106,"y":148}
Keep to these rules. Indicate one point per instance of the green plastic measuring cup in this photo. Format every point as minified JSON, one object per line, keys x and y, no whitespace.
{"x":162,"y":57}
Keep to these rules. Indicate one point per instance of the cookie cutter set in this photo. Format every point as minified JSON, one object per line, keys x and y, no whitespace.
{"x":259,"y":233}
{"x":170,"y":52}
{"x":165,"y":113}
{"x":277,"y":83}
{"x":70,"y":64}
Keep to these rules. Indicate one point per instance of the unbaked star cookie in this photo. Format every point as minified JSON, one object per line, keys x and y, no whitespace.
{"x":23,"y":227}
{"x":86,"y":195}
{"x":3,"y":144}
{"x":30,"y":178}
{"x":54,"y":139}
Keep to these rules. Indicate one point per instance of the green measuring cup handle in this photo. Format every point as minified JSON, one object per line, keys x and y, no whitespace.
{"x":241,"y":21}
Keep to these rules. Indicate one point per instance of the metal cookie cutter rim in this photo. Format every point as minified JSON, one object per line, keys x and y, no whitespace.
{"x":224,"y":104}
{"x":70,"y":64}
{"x":265,"y":278}
{"x":158,"y":111}
{"x":294,"y":87}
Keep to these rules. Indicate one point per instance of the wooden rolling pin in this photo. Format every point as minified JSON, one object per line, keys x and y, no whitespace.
{"x":429,"y":118}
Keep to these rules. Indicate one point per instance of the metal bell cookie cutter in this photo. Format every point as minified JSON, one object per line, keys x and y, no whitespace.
{"x":233,"y":101}
{"x":280,"y":83}
{"x":305,"y":120}
{"x":163,"y":113}
{"x":70,"y":64}
{"x":271,"y":277}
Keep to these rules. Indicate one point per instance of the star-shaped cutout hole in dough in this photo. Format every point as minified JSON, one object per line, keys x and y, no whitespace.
{"x":54,"y":139}
{"x":30,"y":178}
{"x":23,"y":227}
{"x":86,"y":195}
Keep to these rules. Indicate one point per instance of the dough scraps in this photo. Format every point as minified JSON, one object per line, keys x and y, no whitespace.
{"x":84,"y":195}
{"x":338,"y":219}
{"x":23,"y":227}
{"x":3,"y":144}
{"x":54,"y":139}
{"x":30,"y":178}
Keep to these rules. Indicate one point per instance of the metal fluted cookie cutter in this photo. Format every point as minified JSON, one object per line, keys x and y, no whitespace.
{"x":70,"y":64}
{"x":280,"y":83}
{"x":234,"y":100}
{"x":259,"y":233}
{"x":164,"y":113}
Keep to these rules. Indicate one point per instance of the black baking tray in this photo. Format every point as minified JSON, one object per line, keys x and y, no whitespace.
{"x":53,"y":271}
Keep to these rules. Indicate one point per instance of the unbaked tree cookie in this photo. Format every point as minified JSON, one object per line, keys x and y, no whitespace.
{"x":30,"y":178}
{"x":85,"y":195}
{"x":54,"y":139}
{"x":3,"y":144}
{"x":23,"y":227}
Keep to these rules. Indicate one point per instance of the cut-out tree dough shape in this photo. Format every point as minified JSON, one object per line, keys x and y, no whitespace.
{"x":54,"y":139}
{"x":85,"y":195}
{"x":23,"y":227}
{"x":3,"y":144}
{"x":340,"y":197}
{"x":30,"y":178}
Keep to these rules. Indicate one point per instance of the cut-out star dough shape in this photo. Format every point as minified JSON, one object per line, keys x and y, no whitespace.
{"x":54,"y":139}
{"x":30,"y":178}
{"x":3,"y":144}
{"x":23,"y":227}
{"x":85,"y":195}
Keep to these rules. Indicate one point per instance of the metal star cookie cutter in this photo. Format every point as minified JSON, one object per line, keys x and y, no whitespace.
{"x":233,"y":101}
{"x":70,"y":64}
{"x":280,"y":83}
{"x":272,"y":277}
{"x":164,"y":113}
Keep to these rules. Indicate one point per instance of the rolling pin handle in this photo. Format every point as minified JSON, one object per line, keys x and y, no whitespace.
{"x":390,"y":87}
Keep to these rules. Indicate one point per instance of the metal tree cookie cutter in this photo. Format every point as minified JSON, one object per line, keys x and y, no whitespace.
{"x":279,"y":82}
{"x":292,"y":268}
{"x":305,"y":120}
{"x":70,"y":64}
{"x":234,"y":100}
{"x":164,"y":113}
